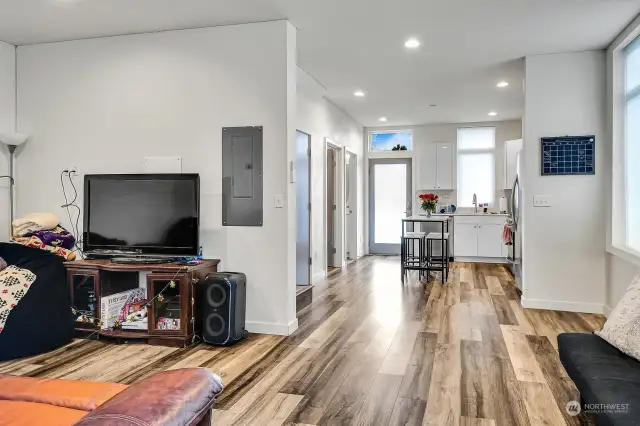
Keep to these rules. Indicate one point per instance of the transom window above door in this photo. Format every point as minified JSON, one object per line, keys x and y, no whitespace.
{"x":391,"y":140}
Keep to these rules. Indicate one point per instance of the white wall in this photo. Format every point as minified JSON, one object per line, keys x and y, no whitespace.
{"x":104,"y":104}
{"x":321,"y":119}
{"x":7,"y":124}
{"x":620,"y":273}
{"x":563,"y":245}
{"x":621,"y":266}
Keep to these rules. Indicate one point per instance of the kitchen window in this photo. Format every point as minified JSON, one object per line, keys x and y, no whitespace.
{"x":632,"y":144}
{"x":476,"y":165}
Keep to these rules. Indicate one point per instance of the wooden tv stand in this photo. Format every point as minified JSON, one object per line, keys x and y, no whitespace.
{"x":89,"y":280}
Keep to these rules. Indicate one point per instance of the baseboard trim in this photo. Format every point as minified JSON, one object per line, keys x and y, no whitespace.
{"x":497,"y":260}
{"x":272,"y":328}
{"x":584,"y":307}
{"x":607,"y":310}
{"x":319,"y":276}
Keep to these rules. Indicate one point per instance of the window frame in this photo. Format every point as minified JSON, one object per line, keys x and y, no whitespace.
{"x":617,"y":236}
{"x":491,"y":151}
{"x":371,"y":132}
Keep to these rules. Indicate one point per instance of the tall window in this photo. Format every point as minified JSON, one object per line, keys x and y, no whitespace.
{"x":632,"y":144}
{"x":476,"y":165}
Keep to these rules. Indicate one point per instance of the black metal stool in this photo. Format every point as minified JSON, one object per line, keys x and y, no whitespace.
{"x":409,"y":259}
{"x":438,"y":263}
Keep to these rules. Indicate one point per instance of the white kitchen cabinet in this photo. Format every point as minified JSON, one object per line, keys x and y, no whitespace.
{"x":511,"y":149}
{"x":436,"y":167}
{"x":445,"y":166}
{"x":429,"y":167}
{"x":465,"y":240}
{"x":490,"y":240}
{"x":477,"y":236}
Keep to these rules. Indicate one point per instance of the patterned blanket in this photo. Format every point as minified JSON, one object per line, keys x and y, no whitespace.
{"x":14,"y":284}
{"x":34,"y":241}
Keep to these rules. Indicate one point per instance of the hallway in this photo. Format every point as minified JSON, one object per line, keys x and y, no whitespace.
{"x":370,"y":351}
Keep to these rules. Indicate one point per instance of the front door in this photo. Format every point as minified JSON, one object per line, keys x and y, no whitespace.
{"x":390,"y":198}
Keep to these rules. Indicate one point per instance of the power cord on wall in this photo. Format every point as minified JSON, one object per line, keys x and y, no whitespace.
{"x":75,"y":227}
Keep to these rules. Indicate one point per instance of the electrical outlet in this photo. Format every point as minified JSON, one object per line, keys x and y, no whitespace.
{"x":542,"y":201}
{"x":73,"y":171}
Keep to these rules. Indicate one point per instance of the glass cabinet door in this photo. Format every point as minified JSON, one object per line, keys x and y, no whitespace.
{"x":168,"y":311}
{"x":84,"y":298}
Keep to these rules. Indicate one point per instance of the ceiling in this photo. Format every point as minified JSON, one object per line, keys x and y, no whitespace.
{"x":467,"y":45}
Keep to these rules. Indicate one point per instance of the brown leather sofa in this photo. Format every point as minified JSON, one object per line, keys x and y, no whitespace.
{"x":178,"y":397}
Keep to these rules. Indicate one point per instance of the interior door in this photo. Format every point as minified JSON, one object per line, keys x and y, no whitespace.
{"x":303,"y":210}
{"x":331,"y":206}
{"x":390,"y":199}
{"x":490,"y":240}
{"x":351,"y":199}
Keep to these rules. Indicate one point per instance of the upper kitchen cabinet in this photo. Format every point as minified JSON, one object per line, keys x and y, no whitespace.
{"x":511,"y":149}
{"x":436,"y":167}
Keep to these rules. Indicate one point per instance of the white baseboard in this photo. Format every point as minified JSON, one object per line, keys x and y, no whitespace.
{"x":319,"y":276}
{"x":480,"y":259}
{"x":272,"y":328}
{"x":553,"y":305}
{"x":607,"y":310}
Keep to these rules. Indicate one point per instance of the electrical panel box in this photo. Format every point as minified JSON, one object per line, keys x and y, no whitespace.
{"x":242,"y":198}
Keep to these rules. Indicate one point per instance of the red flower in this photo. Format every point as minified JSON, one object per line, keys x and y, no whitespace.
{"x":429,"y":197}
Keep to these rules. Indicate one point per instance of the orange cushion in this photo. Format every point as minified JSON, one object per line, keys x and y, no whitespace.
{"x":73,"y":394}
{"x":19,"y":413}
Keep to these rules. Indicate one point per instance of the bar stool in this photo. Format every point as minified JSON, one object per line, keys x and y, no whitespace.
{"x":438,"y":263}
{"x":409,"y":259}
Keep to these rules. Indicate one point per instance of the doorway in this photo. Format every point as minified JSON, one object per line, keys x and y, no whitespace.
{"x":303,"y":209}
{"x":331,"y":208}
{"x":390,"y":196}
{"x":351,"y":206}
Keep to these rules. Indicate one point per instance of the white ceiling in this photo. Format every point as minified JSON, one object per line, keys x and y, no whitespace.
{"x":467,"y":45}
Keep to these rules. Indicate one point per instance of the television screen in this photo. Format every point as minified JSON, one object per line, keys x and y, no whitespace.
{"x":154,"y":214}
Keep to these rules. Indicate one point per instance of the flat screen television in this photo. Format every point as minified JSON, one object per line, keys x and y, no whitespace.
{"x":142,"y":214}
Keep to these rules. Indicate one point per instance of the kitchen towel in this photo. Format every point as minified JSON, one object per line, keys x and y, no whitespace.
{"x":507,"y":235}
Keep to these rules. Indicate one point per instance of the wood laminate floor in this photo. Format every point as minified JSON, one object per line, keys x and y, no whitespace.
{"x":371,"y":351}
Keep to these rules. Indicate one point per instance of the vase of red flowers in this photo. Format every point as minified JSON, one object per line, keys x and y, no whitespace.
{"x":428,"y":203}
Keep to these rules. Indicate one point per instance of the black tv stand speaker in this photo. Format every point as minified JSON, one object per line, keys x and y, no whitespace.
{"x":222,"y":300}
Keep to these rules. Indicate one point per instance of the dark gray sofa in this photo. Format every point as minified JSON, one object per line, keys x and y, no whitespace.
{"x":603,"y":375}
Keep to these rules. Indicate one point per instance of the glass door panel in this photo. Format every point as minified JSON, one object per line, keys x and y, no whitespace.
{"x":390,"y":201}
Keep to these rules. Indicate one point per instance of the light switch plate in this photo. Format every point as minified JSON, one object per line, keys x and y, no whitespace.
{"x":278,"y":201}
{"x":542,"y":201}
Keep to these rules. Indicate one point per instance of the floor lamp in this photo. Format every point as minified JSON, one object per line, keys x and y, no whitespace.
{"x":12,"y":140}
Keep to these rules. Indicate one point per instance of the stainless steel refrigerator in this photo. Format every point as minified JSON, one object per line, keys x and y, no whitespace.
{"x":515,"y":251}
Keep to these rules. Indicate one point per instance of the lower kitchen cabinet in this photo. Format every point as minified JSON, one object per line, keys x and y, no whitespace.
{"x":490,"y":240}
{"x":465,"y":240}
{"x":479,"y":237}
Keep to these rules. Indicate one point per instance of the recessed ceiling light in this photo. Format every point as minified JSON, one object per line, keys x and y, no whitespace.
{"x":358,"y":93}
{"x":383,"y":119}
{"x":412,"y":43}
{"x":432,"y":105}
{"x":493,"y":113}
{"x":502,"y":84}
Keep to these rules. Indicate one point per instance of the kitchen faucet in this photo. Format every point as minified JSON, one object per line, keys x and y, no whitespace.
{"x":475,"y":203}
